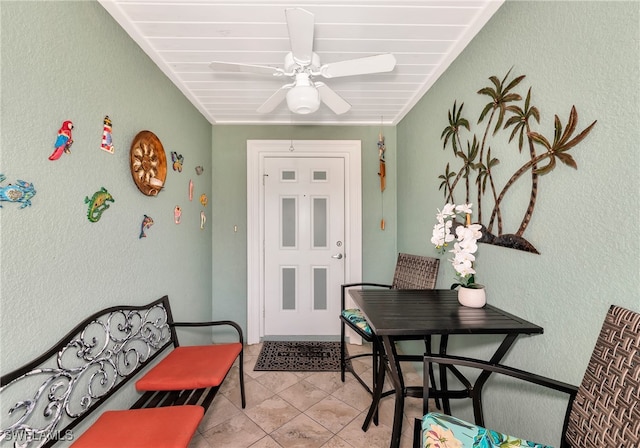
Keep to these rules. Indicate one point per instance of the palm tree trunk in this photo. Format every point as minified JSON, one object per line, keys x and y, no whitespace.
{"x":514,"y":177}
{"x":534,"y":188}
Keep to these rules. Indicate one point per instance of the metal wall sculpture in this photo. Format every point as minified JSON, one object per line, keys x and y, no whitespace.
{"x":505,"y":111}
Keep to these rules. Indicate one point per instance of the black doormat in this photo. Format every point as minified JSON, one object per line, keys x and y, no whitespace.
{"x":306,"y":356}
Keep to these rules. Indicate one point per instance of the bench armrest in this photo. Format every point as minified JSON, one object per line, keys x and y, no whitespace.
{"x":214,"y":323}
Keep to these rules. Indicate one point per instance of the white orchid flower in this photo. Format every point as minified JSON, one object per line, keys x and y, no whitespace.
{"x":466,"y":238}
{"x":442,"y":234}
{"x":448,"y":211}
{"x":477,"y":230}
{"x":464,"y":208}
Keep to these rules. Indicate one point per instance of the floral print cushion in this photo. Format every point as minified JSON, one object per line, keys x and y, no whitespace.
{"x":355,"y":316}
{"x":444,"y":431}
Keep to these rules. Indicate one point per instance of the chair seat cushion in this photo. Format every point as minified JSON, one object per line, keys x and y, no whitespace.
{"x":166,"y":427}
{"x":355,"y":317}
{"x":455,"y":433}
{"x":192,"y":367}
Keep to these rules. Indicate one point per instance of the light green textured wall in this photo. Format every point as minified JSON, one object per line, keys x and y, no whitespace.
{"x":70,"y":60}
{"x":229,"y":205}
{"x":585,"y":223}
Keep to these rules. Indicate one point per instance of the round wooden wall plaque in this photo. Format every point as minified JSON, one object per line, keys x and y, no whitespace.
{"x":148,"y":163}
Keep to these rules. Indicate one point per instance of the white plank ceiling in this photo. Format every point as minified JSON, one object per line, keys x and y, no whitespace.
{"x":184,"y":37}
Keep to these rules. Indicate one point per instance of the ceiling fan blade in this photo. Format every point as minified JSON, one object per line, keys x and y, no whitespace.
{"x":275,"y":99}
{"x":334,"y":101}
{"x":372,"y":64}
{"x":231,"y":67}
{"x":300,"y":23}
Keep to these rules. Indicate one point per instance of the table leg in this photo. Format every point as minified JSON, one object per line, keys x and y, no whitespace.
{"x":397,"y":384}
{"x":476,"y":393}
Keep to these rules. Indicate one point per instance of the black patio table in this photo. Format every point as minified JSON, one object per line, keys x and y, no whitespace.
{"x":396,"y":314}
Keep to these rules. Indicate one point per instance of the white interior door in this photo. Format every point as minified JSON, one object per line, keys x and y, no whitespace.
{"x":258,"y":151}
{"x":304,"y":206}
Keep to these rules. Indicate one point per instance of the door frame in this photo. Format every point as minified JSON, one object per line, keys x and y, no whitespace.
{"x":257,"y":151}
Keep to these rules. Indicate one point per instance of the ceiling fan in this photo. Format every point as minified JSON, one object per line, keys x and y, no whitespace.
{"x":303,"y":94}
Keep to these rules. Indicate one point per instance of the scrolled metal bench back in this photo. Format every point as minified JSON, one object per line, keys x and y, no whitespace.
{"x":42,"y":401}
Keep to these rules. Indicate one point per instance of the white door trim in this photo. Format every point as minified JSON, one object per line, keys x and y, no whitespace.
{"x":257,"y":150}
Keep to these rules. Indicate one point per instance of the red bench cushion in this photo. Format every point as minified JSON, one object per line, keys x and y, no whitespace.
{"x":167,"y":427}
{"x":192,"y":367}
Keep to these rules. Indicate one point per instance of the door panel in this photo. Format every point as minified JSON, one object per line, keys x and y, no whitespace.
{"x":303,"y":246}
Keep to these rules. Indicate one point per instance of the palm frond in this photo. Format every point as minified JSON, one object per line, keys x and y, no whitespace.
{"x":541,"y":139}
{"x":567,"y":159}
{"x":547,"y":168}
{"x":487,"y":108}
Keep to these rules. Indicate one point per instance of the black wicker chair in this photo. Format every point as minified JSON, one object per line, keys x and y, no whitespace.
{"x":412,"y":272}
{"x":604,"y":411}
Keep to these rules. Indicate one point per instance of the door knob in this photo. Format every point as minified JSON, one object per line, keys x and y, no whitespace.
{"x":338,"y":256}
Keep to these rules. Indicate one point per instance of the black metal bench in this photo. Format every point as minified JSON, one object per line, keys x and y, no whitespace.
{"x":42,"y":401}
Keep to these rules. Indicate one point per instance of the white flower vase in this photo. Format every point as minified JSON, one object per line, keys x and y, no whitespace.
{"x":472,"y":297}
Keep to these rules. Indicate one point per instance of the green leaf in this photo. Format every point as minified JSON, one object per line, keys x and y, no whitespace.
{"x":535,"y":114}
{"x":486,"y":109}
{"x":514,"y":83}
{"x":444,"y":145}
{"x":571,"y":125}
{"x":516,"y":119}
{"x":567,"y":159}
{"x":578,"y":138}
{"x":499,"y":122}
{"x":558,"y":130}
{"x":496,"y":82}
{"x":526,"y":101}
{"x":510,"y":98}
{"x":521,"y":141}
{"x":539,"y":138}
{"x":546,"y":169}
{"x":488,"y":91}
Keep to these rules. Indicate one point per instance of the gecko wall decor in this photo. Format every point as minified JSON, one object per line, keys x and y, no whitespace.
{"x":506,"y":111}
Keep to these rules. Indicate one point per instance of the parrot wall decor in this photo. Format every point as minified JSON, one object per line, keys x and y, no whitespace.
{"x":63,"y":142}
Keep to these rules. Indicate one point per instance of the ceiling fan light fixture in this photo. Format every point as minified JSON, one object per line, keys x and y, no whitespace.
{"x":303,"y":99}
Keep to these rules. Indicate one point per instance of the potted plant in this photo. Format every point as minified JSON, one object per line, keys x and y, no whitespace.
{"x":465,"y":245}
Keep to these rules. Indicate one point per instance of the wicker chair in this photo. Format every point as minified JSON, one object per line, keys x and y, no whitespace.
{"x":412,"y":272}
{"x":604,"y":411}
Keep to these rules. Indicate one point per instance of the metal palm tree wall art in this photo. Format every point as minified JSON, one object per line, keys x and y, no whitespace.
{"x":505,"y":111}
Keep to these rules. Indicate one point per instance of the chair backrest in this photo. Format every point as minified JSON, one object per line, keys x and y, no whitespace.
{"x":415,"y":272}
{"x":606,"y":410}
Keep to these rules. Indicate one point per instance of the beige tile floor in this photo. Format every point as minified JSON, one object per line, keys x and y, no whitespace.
{"x":301,"y":410}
